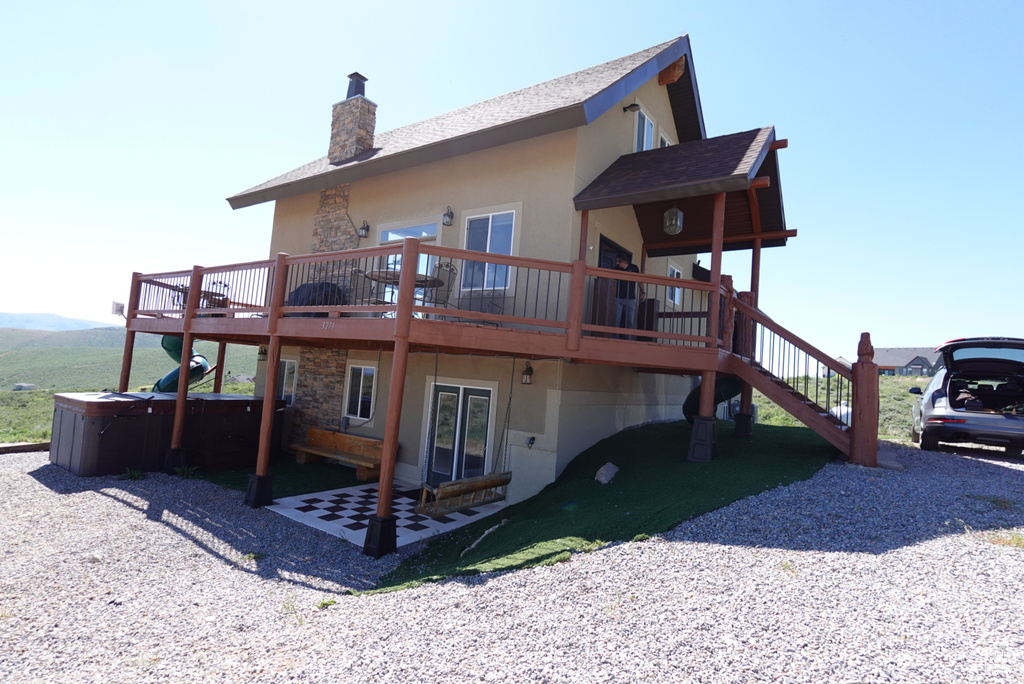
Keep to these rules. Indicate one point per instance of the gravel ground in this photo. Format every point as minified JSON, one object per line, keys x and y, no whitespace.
{"x":856,"y":575}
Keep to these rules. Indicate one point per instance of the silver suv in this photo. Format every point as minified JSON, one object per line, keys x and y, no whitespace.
{"x":978,"y":397}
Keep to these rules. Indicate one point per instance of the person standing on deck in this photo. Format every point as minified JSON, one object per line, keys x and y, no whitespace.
{"x":625,"y":295}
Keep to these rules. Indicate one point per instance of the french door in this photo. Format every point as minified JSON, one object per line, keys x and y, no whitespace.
{"x":458,"y":445}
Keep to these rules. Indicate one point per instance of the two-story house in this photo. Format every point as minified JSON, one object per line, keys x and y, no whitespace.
{"x":446,"y":287}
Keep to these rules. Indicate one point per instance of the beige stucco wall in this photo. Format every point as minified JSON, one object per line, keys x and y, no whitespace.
{"x":293,"y":224}
{"x":606,"y":139}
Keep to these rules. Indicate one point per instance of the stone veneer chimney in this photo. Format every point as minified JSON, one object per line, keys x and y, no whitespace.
{"x":352,"y":123}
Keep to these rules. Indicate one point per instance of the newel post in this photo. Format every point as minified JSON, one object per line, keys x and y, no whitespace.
{"x":864,"y":413}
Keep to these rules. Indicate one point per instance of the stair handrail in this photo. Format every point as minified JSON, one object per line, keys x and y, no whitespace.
{"x":760,"y":318}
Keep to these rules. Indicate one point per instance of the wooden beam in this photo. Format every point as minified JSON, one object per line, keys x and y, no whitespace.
{"x":399,"y":365}
{"x":584,"y":233}
{"x":280,"y":284}
{"x":761,"y":182}
{"x":191,"y":304}
{"x":726,"y":240}
{"x":129,"y":338}
{"x":672,"y":72}
{"x":780,"y":144}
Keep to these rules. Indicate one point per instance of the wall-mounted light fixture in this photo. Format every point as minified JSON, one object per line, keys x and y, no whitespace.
{"x":631,"y":108}
{"x":530,"y":441}
{"x":673,"y":222}
{"x":364,"y":230}
{"x":261,"y":353}
{"x":446,"y":219}
{"x":528,"y":374}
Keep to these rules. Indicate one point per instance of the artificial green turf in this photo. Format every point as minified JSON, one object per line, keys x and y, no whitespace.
{"x":654,"y":490}
{"x":290,"y":478}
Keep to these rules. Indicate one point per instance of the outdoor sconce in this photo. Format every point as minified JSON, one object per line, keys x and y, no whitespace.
{"x":528,"y":374}
{"x":364,"y":230}
{"x":261,"y":353}
{"x":446,"y":219}
{"x":631,"y":107}
{"x":530,"y":441}
{"x":673,"y":223}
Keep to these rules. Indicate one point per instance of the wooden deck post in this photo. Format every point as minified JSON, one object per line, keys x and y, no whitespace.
{"x":381,"y":533}
{"x":584,"y":230}
{"x":864,"y":412}
{"x":574,"y":317}
{"x":260,"y":490}
{"x":129,"y":338}
{"x":703,"y":436}
{"x":717,"y":239}
{"x":744,"y":420}
{"x":218,"y":372}
{"x":175,"y":456}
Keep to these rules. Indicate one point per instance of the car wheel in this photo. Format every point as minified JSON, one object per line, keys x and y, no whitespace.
{"x":929,"y":442}
{"x":915,"y":436}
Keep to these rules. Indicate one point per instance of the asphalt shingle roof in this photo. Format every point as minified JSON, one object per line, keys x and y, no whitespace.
{"x":564,"y":102}
{"x":698,"y":167}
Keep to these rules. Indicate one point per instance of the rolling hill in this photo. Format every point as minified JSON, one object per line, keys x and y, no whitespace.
{"x":90,"y":359}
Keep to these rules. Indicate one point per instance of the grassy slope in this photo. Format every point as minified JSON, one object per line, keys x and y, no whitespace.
{"x":654,"y":490}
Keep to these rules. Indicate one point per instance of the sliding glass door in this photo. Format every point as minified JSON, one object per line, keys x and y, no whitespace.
{"x":461,"y":421}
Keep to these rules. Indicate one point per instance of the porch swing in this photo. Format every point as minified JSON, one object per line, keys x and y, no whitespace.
{"x":457,"y":495}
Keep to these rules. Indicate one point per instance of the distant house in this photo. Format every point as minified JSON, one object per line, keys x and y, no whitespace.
{"x":922,"y":361}
{"x":25,"y":387}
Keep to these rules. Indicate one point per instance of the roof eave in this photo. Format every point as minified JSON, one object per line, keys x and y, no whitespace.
{"x":515,"y":131}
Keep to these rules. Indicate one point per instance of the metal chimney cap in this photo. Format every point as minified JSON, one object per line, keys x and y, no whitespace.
{"x":355,"y":84}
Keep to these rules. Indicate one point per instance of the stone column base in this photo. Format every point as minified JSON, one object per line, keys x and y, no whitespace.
{"x":381,"y":536}
{"x":744,"y":425}
{"x":260,"y":491}
{"x":703,"y":440}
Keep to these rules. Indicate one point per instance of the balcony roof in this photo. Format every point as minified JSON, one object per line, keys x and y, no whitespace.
{"x":688,"y":175}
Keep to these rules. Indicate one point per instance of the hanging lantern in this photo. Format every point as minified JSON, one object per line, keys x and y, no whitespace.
{"x":528,"y":374}
{"x":673,"y":223}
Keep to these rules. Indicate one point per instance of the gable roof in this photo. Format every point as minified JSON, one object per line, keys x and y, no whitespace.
{"x":559,"y":104}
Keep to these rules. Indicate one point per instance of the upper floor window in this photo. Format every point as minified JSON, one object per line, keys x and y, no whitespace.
{"x":491,"y":233}
{"x":426,"y":231}
{"x":644,"y":132}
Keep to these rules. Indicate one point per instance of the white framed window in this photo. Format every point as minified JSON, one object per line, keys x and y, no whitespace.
{"x":287,"y":376}
{"x":665,"y":142}
{"x":675,"y":294}
{"x":490,"y":233}
{"x":644,"y":132}
{"x":360,"y":391}
{"x":423,"y":231}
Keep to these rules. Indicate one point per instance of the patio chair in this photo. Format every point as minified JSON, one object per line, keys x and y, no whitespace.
{"x":364,"y":290}
{"x":445,"y":272}
{"x":482,"y":301}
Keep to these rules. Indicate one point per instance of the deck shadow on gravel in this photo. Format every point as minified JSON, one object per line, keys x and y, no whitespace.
{"x":217,"y":521}
{"x":938,"y":493}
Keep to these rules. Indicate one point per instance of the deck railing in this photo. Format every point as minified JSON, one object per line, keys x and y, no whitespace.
{"x":453,"y":285}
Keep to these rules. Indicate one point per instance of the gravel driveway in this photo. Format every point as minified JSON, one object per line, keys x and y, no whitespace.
{"x":856,"y":575}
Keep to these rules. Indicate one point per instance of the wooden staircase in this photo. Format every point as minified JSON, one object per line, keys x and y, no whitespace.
{"x":807,"y":383}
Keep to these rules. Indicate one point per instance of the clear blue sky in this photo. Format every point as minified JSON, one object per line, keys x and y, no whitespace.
{"x":125,"y":125}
